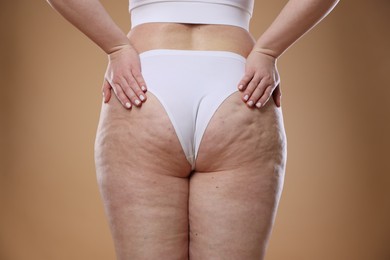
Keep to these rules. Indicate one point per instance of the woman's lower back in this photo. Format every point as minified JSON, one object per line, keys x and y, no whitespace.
{"x":164,"y":35}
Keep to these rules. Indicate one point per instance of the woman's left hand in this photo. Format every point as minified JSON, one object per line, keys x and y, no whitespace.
{"x":261,"y":80}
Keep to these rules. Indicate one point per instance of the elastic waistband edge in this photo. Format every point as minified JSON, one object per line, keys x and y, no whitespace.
{"x":217,"y":53}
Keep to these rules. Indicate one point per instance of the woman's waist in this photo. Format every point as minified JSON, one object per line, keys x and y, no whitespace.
{"x":168,"y":35}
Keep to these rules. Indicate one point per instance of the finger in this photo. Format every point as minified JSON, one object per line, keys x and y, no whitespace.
{"x":277,"y":96}
{"x":255,"y":96}
{"x":250,"y":88}
{"x":106,"y":89}
{"x":260,"y":85}
{"x":129,"y":92}
{"x":245,"y":80}
{"x":140,"y":80}
{"x":121,"y":95}
{"x":265,"y":97}
{"x":139,"y":94}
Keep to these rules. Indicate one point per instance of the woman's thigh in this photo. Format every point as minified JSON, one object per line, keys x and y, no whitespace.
{"x":237,"y":183}
{"x":142,"y":176}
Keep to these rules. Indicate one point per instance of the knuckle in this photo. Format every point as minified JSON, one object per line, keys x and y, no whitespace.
{"x":132,"y":82}
{"x":247,"y":77}
{"x":122,"y":97}
{"x":263,"y":85}
{"x":116,"y":79}
{"x":252,"y":85}
{"x":125,"y":88}
{"x":141,"y":82}
{"x":262,"y":96}
{"x":119,"y":86}
{"x":256,"y":95}
{"x":267,"y":77}
{"x":265,"y":97}
{"x":266,"y":83}
{"x":268,"y":91}
{"x":254,"y":82}
{"x":136,"y":71}
{"x":258,"y":80}
{"x":130,"y":94}
{"x":249,"y":89}
{"x":257,"y":98}
{"x":138,"y":77}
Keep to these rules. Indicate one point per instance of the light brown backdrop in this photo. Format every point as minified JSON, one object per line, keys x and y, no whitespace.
{"x":336,"y":103}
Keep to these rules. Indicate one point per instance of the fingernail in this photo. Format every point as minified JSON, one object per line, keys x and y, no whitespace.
{"x":246,"y":97}
{"x":250,"y":103}
{"x":240,"y":87}
{"x":258,"y":104}
{"x":128,"y":105}
{"x":137,"y":102}
{"x":142,"y":97}
{"x":143,"y":88}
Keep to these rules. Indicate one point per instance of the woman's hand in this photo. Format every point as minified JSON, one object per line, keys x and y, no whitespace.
{"x":261,"y":80}
{"x":123,"y":75}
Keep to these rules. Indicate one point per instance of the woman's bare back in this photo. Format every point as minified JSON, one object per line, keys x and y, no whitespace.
{"x":191,"y":36}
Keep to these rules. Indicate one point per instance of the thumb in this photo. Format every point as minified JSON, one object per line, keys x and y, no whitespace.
{"x":277,"y":95}
{"x":106,"y":89}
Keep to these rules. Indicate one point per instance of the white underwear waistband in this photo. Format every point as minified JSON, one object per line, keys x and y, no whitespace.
{"x":190,"y":12}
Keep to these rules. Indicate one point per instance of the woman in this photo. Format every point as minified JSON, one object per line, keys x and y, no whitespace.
{"x":191,"y":154}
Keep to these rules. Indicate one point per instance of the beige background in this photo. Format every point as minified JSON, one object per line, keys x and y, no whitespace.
{"x":336,"y":103}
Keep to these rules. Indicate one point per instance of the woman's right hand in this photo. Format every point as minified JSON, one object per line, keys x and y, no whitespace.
{"x":124,"y":76}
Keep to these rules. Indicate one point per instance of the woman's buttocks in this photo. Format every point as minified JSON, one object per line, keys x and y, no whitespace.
{"x":163,"y":35}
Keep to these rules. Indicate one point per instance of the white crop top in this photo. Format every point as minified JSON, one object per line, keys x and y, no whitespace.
{"x":230,"y":12}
